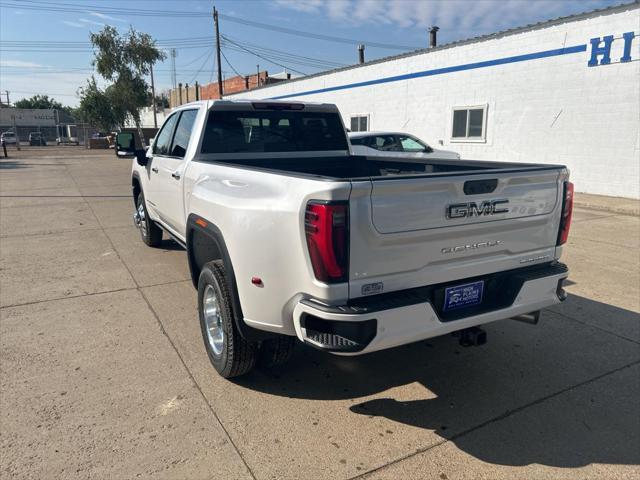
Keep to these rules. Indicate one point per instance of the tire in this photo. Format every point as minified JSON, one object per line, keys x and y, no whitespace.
{"x":230,"y":354}
{"x":276,"y":351}
{"x":150,"y":233}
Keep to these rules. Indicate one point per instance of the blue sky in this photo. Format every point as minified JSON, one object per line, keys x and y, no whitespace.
{"x":35,"y":58}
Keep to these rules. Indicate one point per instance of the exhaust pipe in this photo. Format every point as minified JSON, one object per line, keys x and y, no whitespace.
{"x":531,"y":318}
{"x":470,"y":337}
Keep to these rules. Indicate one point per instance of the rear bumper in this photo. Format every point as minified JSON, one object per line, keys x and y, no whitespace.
{"x":385,"y":321}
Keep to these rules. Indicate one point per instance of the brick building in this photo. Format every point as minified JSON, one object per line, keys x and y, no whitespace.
{"x":189,"y":93}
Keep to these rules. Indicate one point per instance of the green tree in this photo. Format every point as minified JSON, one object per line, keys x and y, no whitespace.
{"x":41,"y":101}
{"x":123,"y":60}
{"x":97,"y":108}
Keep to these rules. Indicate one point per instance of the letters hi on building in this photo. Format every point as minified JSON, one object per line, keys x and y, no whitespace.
{"x":602,"y":46}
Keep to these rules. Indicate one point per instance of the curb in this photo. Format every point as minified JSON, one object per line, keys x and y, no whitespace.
{"x":620,"y":210}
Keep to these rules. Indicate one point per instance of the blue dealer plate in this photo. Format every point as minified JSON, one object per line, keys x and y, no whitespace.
{"x":465,"y":295}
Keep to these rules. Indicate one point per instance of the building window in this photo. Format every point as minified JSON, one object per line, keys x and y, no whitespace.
{"x":469,"y":124}
{"x":360,"y":123}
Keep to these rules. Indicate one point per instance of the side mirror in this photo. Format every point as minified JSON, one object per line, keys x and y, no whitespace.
{"x":428,"y":149}
{"x":125,"y":145}
{"x":141,"y":157}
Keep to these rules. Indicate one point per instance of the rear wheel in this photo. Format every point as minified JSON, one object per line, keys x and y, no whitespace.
{"x":150,"y":232}
{"x":230,"y":354}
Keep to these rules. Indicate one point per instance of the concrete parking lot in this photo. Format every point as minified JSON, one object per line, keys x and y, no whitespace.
{"x":103,"y":373}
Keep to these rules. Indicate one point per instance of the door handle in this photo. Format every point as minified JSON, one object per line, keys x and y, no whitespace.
{"x":176,"y":175}
{"x":154,"y":169}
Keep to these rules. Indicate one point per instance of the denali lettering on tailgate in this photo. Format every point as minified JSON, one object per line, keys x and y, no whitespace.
{"x":472,"y":209}
{"x":471,"y":246}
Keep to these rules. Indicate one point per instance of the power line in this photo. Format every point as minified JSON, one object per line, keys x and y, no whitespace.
{"x":202,"y":66}
{"x":75,"y":8}
{"x":263,"y":57}
{"x":302,"y":58}
{"x":229,"y":63}
{"x":272,"y":57}
{"x":28,"y":71}
{"x":49,"y":94}
{"x":317,"y":36}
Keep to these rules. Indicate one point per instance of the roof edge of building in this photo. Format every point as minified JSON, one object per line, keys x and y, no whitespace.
{"x":481,"y":38}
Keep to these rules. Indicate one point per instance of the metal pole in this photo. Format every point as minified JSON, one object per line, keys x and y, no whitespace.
{"x":215,"y":21}
{"x":15,"y":130}
{"x":257,"y":75}
{"x":360,"y":53}
{"x":153,"y":94}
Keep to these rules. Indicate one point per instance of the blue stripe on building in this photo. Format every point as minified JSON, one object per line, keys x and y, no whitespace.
{"x":441,"y":71}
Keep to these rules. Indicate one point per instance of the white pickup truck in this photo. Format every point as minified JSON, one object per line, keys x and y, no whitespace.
{"x":288,"y":234}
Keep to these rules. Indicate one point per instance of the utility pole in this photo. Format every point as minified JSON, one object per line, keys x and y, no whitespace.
{"x":257,"y":75}
{"x":215,"y":21}
{"x":173,"y":67}
{"x":153,"y":94}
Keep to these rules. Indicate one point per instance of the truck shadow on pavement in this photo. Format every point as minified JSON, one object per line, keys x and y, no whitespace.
{"x":563,"y":393}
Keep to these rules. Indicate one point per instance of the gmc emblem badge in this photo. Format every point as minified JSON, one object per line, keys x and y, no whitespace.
{"x":472,"y":209}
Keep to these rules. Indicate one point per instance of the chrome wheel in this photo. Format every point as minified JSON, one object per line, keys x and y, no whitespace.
{"x":141,"y":220}
{"x":213,"y":320}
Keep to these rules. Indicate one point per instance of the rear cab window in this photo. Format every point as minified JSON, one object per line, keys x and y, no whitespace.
{"x":255,"y":131}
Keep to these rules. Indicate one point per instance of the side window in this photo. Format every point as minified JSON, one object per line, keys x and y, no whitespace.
{"x":183,"y":133}
{"x":360,"y":123}
{"x":385,"y":143}
{"x":357,"y":141}
{"x":162,"y":143}
{"x":469,"y":124}
{"x":410,"y":144}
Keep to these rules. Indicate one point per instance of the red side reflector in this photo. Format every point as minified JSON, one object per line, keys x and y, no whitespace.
{"x":567,"y":211}
{"x":327,"y":232}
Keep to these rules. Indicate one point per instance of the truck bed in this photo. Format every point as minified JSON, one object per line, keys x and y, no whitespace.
{"x":358,"y":167}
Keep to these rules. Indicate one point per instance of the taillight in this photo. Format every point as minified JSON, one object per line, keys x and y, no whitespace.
{"x":567,"y":210}
{"x":326,"y":225}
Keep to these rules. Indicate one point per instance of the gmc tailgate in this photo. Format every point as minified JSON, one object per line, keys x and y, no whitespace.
{"x":416,"y":231}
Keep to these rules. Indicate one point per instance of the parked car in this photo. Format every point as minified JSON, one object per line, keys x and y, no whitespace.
{"x":395,"y":144}
{"x":37,"y":139}
{"x":288,"y":235}
{"x":9,"y":138}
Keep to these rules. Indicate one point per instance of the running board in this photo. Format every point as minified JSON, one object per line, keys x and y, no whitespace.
{"x":171,"y":234}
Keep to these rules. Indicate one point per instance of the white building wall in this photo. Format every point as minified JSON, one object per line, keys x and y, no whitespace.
{"x":547,"y":110}
{"x":146,"y":118}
